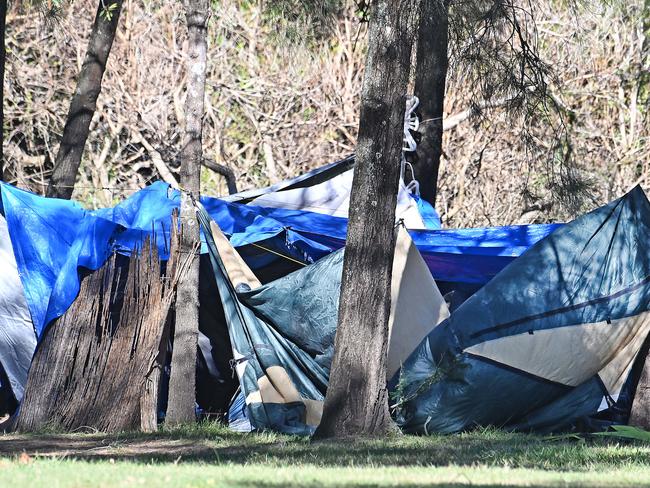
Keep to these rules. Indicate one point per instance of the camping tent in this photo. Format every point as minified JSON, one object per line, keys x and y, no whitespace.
{"x":550,"y":341}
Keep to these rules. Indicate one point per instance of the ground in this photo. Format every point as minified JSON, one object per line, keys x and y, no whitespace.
{"x":210,"y":455}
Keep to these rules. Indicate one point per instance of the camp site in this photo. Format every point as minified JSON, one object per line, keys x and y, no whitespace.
{"x":325,"y":243}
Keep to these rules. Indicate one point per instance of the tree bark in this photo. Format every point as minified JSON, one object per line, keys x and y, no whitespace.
{"x":430,"y":80}
{"x":644,"y":72}
{"x":224,"y":171}
{"x":640,"y":411}
{"x":98,"y":366}
{"x":182,"y":382}
{"x":3,"y":54}
{"x":356,"y":404}
{"x":84,"y":100}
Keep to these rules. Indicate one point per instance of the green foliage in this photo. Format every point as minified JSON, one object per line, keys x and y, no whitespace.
{"x":627,"y":432}
{"x":407,"y":389}
{"x":108,"y":11}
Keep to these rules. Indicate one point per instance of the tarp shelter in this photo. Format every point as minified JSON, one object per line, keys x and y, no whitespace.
{"x":327,"y":191}
{"x":17,"y":338}
{"x":282,"y":333}
{"x":53,"y":241}
{"x":550,"y":341}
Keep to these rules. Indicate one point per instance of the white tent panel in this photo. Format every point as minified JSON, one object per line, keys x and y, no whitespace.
{"x":417,"y":305}
{"x":17,"y":336}
{"x":572,"y":354}
{"x":332,"y":197}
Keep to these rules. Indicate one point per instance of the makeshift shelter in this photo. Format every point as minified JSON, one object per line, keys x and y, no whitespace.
{"x":56,"y":241}
{"x":550,"y":341}
{"x":327,"y":191}
{"x":17,"y":338}
{"x":283,"y":332}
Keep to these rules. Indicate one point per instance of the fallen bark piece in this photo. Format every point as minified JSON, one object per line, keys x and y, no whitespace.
{"x":98,"y":366}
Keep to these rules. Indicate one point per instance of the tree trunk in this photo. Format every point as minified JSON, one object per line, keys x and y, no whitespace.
{"x":356,"y":404}
{"x":84,"y":100}
{"x":182,"y":382}
{"x":3,"y":54}
{"x":430,"y":79}
{"x":644,"y":72}
{"x":640,"y":411}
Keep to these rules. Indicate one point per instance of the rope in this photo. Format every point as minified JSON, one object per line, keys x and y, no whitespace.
{"x":411,"y":123}
{"x":288,"y":258}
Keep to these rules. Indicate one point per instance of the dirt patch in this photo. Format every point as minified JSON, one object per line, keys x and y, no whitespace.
{"x":105,"y":447}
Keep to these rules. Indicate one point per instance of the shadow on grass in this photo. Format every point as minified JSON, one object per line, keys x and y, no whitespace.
{"x":220,"y":446}
{"x":257,"y":484}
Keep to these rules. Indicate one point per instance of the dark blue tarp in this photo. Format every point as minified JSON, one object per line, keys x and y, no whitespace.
{"x":550,"y":340}
{"x":53,"y":238}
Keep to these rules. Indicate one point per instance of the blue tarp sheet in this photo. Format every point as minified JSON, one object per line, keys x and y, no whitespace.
{"x":53,"y":238}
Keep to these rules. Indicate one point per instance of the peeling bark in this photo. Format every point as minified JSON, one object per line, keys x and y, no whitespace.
{"x":98,"y":366}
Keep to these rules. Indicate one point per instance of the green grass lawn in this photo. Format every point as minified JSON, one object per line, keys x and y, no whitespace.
{"x":210,"y":455}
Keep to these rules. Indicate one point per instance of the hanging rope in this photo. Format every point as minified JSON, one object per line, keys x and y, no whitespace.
{"x":411,"y":124}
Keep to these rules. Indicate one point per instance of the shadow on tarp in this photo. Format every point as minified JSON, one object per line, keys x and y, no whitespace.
{"x":53,"y":238}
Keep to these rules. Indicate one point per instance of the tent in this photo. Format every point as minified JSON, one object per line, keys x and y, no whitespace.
{"x":327,"y":191}
{"x":550,"y":342}
{"x":282,"y":333}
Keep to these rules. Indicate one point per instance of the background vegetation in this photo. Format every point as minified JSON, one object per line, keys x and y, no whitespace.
{"x":279,"y":105}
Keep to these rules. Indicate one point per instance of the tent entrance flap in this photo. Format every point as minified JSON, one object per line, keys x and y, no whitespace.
{"x":283,"y":386}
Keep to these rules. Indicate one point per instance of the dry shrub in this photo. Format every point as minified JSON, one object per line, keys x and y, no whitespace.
{"x":275,"y":110}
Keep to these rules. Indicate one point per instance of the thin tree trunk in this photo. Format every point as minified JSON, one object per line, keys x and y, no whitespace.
{"x":3,"y":54}
{"x":356,"y":404}
{"x":84,"y":100}
{"x":182,"y":382}
{"x":430,"y":79}
{"x":644,"y":72}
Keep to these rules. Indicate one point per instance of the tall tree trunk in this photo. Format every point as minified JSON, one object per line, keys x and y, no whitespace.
{"x":3,"y":53}
{"x":182,"y":382}
{"x":84,"y":100}
{"x":357,"y":399}
{"x":430,"y":79}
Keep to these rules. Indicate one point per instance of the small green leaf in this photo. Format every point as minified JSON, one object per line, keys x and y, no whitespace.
{"x":627,"y":432}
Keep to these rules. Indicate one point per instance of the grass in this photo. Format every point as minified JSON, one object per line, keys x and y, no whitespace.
{"x":209,"y":455}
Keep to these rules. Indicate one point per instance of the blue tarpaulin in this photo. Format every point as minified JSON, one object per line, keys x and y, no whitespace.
{"x":53,"y":238}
